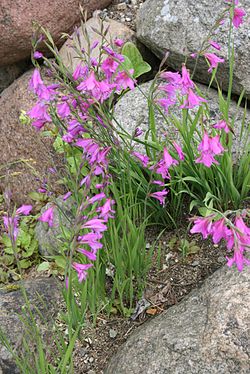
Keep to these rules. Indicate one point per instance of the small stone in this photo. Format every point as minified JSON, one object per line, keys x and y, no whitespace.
{"x":128,"y":19}
{"x":112,"y":333}
{"x":121,"y":6}
{"x":91,"y":359}
{"x":195,"y":263}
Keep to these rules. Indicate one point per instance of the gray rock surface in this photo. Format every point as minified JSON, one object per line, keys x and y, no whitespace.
{"x":11,"y":304}
{"x":207,"y":333}
{"x":50,"y":239}
{"x":132,"y":111}
{"x":10,"y":72}
{"x":180,"y":27}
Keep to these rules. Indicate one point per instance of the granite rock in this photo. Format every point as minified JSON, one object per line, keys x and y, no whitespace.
{"x":206,"y":333}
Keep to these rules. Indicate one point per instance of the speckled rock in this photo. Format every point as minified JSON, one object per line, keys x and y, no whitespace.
{"x":135,"y":105}
{"x":116,"y":30}
{"x":180,"y":27}
{"x":207,"y":333}
{"x":21,"y":142}
{"x":57,"y":16}
{"x":11,"y":303}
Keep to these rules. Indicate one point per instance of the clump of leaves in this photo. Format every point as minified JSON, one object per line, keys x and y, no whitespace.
{"x":184,"y":246}
{"x":27,"y":250}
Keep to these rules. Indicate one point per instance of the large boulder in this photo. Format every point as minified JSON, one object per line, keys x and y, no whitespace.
{"x":44,"y":295}
{"x":70,"y":57}
{"x":180,"y":27}
{"x":24,"y":153}
{"x":16,"y":23}
{"x":207,"y":333}
{"x":135,"y":105}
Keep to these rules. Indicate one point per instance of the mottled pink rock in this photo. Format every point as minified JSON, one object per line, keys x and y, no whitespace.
{"x":57,"y":16}
{"x":24,"y":153}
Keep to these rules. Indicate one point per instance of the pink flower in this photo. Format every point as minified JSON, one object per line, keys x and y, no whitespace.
{"x":124,"y":81}
{"x":239,"y":259}
{"x":192,"y":100}
{"x":67,"y":195}
{"x":202,"y":225}
{"x":160,"y":195}
{"x":214,"y":45}
{"x":222,"y":125}
{"x":48,"y":216}
{"x":24,"y":209}
{"x":95,"y":224}
{"x":81,"y":270}
{"x":92,"y":240}
{"x":109,"y":66}
{"x":238,"y":17}
{"x":173,"y":78}
{"x":143,"y":158}
{"x":37,"y":85}
{"x":37,"y":55}
{"x":213,"y":61}
{"x":209,"y":147}
{"x":179,"y":151}
{"x":219,"y":231}
{"x":186,"y":81}
{"x":63,"y":109}
{"x":97,"y":197}
{"x":106,"y":210}
{"x":80,"y":72}
{"x":119,"y":42}
{"x":90,"y":255}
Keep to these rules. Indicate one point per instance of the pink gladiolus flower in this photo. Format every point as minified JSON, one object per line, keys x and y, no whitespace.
{"x":173,"y":78}
{"x":90,"y":255}
{"x":81,"y":270}
{"x":209,"y":147}
{"x":106,"y":210}
{"x":124,"y":81}
{"x":186,"y":81}
{"x":97,"y":197}
{"x":92,"y":240}
{"x":143,"y":158}
{"x":238,"y":17}
{"x":202,"y":225}
{"x":37,"y":85}
{"x":67,"y":195}
{"x":166,"y":103}
{"x":161,"y":196}
{"x":222,"y":125}
{"x":159,"y":183}
{"x":80,"y":72}
{"x":119,"y":42}
{"x":179,"y":151}
{"x":213,"y":61}
{"x":138,"y":132}
{"x":48,"y":216}
{"x":219,"y":231}
{"x":95,"y":224}
{"x":37,"y":55}
{"x":192,"y":100}
{"x":24,"y":209}
{"x":109,"y":66}
{"x":214,"y":45}
{"x":207,"y":159}
{"x":239,"y":259}
{"x":63,"y":109}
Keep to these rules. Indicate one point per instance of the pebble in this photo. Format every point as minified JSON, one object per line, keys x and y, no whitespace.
{"x":121,"y":6}
{"x":112,"y":333}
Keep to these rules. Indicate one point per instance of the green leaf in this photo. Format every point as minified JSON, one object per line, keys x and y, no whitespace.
{"x":25,"y":264}
{"x":6,"y":241}
{"x":24,"y":239}
{"x":36,"y":196}
{"x":140,"y":67}
{"x":60,"y":261}
{"x":44,"y":266}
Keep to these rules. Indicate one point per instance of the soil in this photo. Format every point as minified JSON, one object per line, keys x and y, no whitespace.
{"x":123,"y":11}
